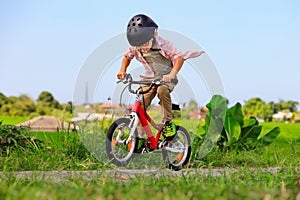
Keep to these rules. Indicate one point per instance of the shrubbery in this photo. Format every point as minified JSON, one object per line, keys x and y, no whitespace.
{"x":24,"y":106}
{"x":12,"y":137}
{"x":227,"y":128}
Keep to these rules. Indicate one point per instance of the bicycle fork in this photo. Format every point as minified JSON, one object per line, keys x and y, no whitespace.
{"x":132,"y":126}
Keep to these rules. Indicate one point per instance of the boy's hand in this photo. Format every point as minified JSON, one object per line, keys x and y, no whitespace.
{"x":169,"y":77}
{"x":121,"y":75}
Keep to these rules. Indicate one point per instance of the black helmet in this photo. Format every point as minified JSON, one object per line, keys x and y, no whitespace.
{"x":140,"y":30}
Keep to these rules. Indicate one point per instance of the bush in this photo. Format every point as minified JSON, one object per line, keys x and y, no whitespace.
{"x":12,"y":137}
{"x":227,"y":128}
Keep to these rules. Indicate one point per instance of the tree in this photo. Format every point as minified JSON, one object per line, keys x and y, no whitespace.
{"x":47,"y":99}
{"x":27,"y":104}
{"x":283,"y":105}
{"x":257,"y":108}
{"x":287,"y":105}
{"x":18,"y":106}
{"x":3,"y":99}
{"x":68,"y":107}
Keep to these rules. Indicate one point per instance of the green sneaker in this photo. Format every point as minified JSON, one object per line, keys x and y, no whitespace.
{"x":169,"y":130}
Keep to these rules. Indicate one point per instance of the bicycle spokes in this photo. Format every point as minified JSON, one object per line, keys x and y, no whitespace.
{"x":119,"y":147}
{"x":177,"y":152}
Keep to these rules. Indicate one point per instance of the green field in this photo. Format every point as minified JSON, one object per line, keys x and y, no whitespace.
{"x":288,"y":131}
{"x":64,"y":151}
{"x":12,"y":120}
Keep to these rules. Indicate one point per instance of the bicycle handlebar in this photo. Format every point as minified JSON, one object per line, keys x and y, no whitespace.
{"x":128,"y":79}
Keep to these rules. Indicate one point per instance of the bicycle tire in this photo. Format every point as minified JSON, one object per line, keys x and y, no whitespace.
{"x":177,"y":161}
{"x":120,"y":154}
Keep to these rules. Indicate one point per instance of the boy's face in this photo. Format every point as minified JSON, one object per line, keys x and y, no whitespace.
{"x":147,"y":45}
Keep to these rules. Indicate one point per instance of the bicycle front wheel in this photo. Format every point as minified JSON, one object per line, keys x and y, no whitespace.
{"x":178,"y":152}
{"x":117,"y":150}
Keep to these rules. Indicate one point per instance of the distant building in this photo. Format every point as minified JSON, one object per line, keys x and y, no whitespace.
{"x":282,"y":116}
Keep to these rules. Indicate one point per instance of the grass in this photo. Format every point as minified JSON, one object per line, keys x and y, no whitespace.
{"x":241,"y":185}
{"x":61,"y":151}
{"x":64,"y":151}
{"x":12,"y":120}
{"x":288,"y":131}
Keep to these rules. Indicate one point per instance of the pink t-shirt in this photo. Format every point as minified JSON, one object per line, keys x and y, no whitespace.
{"x":167,"y":49}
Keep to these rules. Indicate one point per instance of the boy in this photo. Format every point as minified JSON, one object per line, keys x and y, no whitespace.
{"x":160,"y":59}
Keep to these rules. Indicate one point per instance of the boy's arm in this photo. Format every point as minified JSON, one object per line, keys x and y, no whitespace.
{"x":125,"y":64}
{"x":178,"y":62}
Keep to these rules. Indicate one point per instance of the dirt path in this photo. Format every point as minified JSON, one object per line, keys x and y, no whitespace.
{"x":126,"y":174}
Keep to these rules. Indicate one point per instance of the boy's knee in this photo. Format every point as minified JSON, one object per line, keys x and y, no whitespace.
{"x":162,"y":90}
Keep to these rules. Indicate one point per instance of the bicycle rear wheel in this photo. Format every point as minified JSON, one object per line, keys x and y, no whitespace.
{"x":179,"y":150}
{"x":117,"y":150}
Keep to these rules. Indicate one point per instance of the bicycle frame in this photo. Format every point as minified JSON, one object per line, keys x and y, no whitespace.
{"x":139,"y":112}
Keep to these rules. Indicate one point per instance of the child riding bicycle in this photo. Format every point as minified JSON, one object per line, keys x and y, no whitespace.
{"x":160,"y":59}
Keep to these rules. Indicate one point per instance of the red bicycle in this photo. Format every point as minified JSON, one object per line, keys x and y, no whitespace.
{"x":122,"y":137}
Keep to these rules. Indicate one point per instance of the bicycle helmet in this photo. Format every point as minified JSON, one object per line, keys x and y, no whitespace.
{"x":140,"y":29}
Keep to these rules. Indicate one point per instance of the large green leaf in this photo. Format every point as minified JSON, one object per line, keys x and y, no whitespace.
{"x":207,"y":121}
{"x":214,"y":123}
{"x":232,"y":129}
{"x":269,"y":137}
{"x":250,"y":122}
{"x":249,"y":139}
{"x":211,"y":138}
{"x":216,"y":102}
{"x":237,"y":113}
{"x":253,"y":132}
{"x":217,"y":108}
{"x":247,"y":126}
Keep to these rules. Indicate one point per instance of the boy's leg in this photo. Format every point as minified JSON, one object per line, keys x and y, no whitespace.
{"x":169,"y":129}
{"x":165,"y":102}
{"x":148,"y":97}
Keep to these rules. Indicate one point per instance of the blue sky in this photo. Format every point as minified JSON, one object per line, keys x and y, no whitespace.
{"x":253,"y":44}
